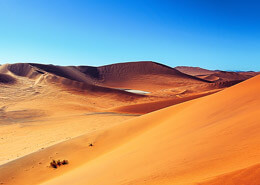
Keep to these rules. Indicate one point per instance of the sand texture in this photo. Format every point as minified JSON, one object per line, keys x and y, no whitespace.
{"x":186,"y":130}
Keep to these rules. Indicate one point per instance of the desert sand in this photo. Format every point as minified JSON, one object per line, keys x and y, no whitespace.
{"x":208,"y":135}
{"x":185,"y":144}
{"x":216,"y":75}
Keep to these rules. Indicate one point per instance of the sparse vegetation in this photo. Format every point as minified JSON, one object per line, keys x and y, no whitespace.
{"x":90,"y":144}
{"x":58,"y":163}
{"x":64,"y":162}
{"x":55,"y":164}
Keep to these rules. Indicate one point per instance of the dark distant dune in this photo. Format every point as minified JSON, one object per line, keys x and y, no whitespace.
{"x":92,"y":72}
{"x":6,"y":79}
{"x":123,"y":71}
{"x":145,"y":75}
{"x":23,"y":69}
{"x":194,"y":71}
{"x":216,"y":75}
{"x":90,"y":89}
{"x":227,"y":76}
{"x":69,"y":72}
{"x":211,"y":78}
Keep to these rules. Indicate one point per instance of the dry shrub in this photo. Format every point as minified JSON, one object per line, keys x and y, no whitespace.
{"x":55,"y":164}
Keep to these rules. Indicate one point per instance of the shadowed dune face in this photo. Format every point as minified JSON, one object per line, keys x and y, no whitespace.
{"x":69,"y":78}
{"x":216,"y":75}
{"x":134,"y":75}
{"x":194,"y":71}
{"x":227,"y":76}
{"x":6,"y":79}
{"x":146,"y":76}
{"x":24,"y":69}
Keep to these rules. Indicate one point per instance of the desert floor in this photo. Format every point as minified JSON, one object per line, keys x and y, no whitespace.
{"x":197,"y":133}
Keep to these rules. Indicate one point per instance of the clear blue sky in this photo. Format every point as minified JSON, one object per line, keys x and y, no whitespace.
{"x":214,"y":34}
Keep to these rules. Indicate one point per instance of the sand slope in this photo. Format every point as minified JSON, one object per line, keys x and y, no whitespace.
{"x":184,"y":144}
{"x":194,"y":71}
{"x":143,"y":108}
{"x":143,"y":75}
{"x":6,"y":79}
{"x":227,"y":76}
{"x":216,"y":75}
{"x":249,"y":175}
{"x":58,"y":103}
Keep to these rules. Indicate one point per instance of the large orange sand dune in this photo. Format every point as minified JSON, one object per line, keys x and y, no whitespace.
{"x":210,"y":140}
{"x":201,"y":141}
{"x":184,"y":144}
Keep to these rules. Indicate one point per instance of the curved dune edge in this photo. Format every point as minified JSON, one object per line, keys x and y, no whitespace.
{"x":250,"y":175}
{"x":194,"y":71}
{"x":182,"y":144}
{"x":144,"y":108}
{"x":6,"y":79}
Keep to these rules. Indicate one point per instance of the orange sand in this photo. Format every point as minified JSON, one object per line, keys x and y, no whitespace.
{"x":183,"y":144}
{"x":208,"y":140}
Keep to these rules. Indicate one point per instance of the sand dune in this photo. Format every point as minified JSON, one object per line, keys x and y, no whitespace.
{"x":183,"y":144}
{"x":189,"y":143}
{"x":6,"y":79}
{"x":146,"y":76}
{"x":66,"y":76}
{"x":226,"y":76}
{"x":36,"y":98}
{"x":143,"y":108}
{"x":194,"y":71}
{"x":216,"y":75}
{"x":65,"y":108}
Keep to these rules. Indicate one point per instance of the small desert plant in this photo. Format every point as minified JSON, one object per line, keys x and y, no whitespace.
{"x":53,"y":164}
{"x":56,"y":164}
{"x":64,"y":162}
{"x":90,"y":144}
